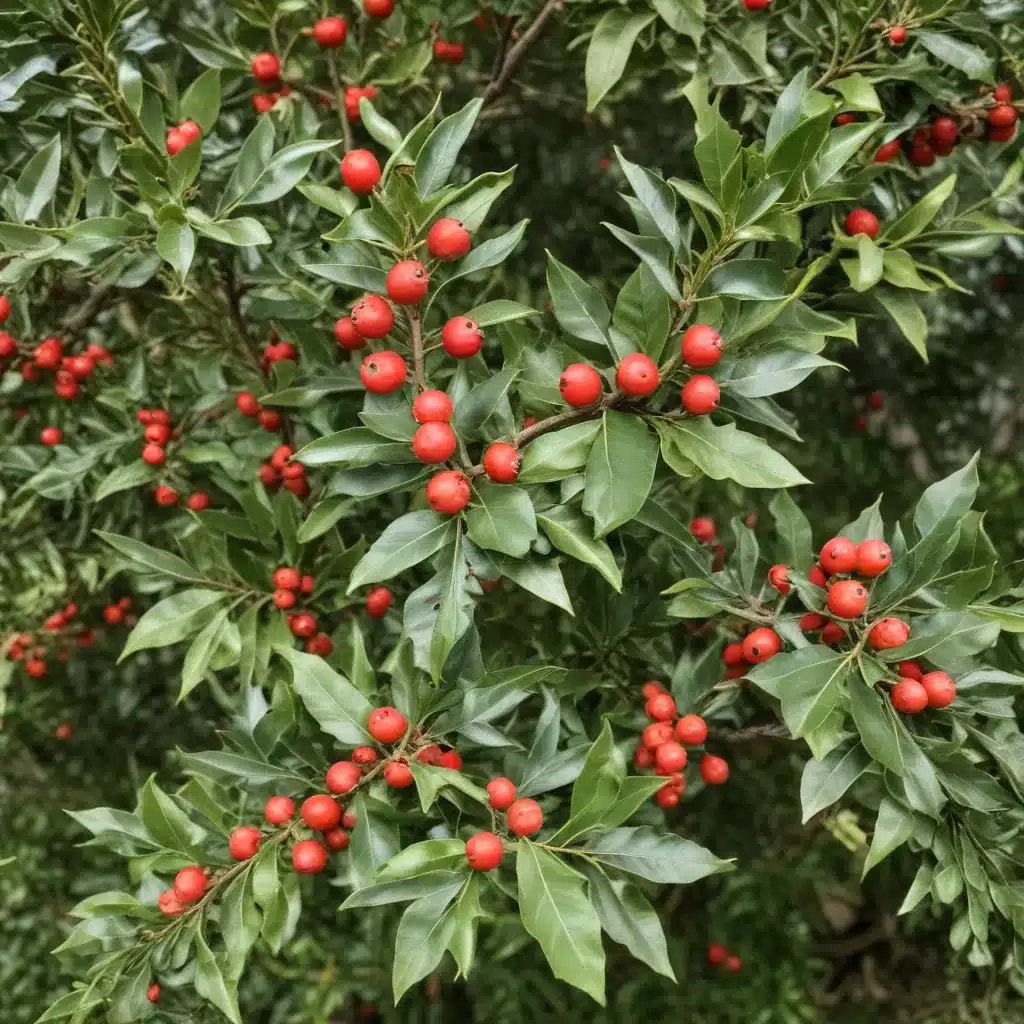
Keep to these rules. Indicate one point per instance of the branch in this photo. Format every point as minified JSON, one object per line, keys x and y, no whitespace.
{"x":773,"y":731}
{"x":339,"y":101}
{"x":78,"y":320}
{"x":416,"y":340}
{"x":515,"y":56}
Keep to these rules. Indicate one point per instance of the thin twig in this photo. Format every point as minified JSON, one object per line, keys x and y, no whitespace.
{"x":78,"y":320}
{"x":339,"y":101}
{"x":515,"y":55}
{"x":416,"y":341}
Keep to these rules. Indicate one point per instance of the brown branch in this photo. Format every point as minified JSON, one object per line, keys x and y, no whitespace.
{"x":339,"y":101}
{"x":416,"y":340}
{"x":517,"y":53}
{"x":773,"y":731}
{"x":78,"y":320}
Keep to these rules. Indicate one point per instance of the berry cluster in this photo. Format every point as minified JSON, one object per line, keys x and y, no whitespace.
{"x":282,"y":470}
{"x":183,"y":135}
{"x":523,"y":817}
{"x":719,"y":956}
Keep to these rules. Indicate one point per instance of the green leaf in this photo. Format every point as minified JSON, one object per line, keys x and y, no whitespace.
{"x":406,"y":542}
{"x":240,"y":922}
{"x":597,"y":786}
{"x":579,"y":307}
{"x":963,"y":56}
{"x":875,"y":723}
{"x":920,"y":215}
{"x":411,"y":887}
{"x":867,"y":526}
{"x":571,"y":533}
{"x":167,"y":823}
{"x":437,"y":158}
{"x":793,"y":530}
{"x":748,"y":279}
{"x":919,"y":788}
{"x":540,"y":576}
{"x":893,"y":827}
{"x":643,"y":313}
{"x":339,"y":708}
{"x":487,"y":403}
{"x":236,"y":766}
{"x":122,"y":478}
{"x":501,"y":518}
{"x":807,"y":682}
{"x":556,"y":912}
{"x":727,"y":453}
{"x":81,"y":1001}
{"x":825,"y":781}
{"x":500,"y":311}
{"x":657,"y":199}
{"x":558,"y":454}
{"x":686,"y":16}
{"x":657,"y":856}
{"x":375,"y":840}
{"x":37,"y":183}
{"x":201,"y":102}
{"x":858,"y":93}
{"x":176,"y":244}
{"x":454,"y":609}
{"x":610,"y":46}
{"x":786,"y":115}
{"x":620,"y":471}
{"x":655,"y":254}
{"x":947,"y":501}
{"x":342,"y":202}
{"x":429,"y":855}
{"x":866,"y":270}
{"x":919,"y":888}
{"x":201,"y":652}
{"x":281,"y":173}
{"x":210,"y":983}
{"x":842,"y":144}
{"x":718,"y":156}
{"x":240,"y":231}
{"x":354,"y":448}
{"x":379,"y":127}
{"x":423,"y":935}
{"x":772,"y":372}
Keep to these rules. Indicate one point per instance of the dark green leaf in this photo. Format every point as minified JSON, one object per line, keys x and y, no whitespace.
{"x":620,"y":471}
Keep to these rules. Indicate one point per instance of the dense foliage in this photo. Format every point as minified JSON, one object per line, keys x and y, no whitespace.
{"x":487,"y":526}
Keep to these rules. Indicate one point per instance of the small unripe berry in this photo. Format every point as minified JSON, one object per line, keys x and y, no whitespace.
{"x":372,"y":317}
{"x":190,"y":884}
{"x":383,"y":372}
{"x":761,"y":644}
{"x":714,"y":770}
{"x":407,"y":282}
{"x":501,"y":462}
{"x":838,"y":555}
{"x":703,"y":529}
{"x":484,"y":851}
{"x":861,"y":222}
{"x":432,"y":407}
{"x":364,"y":755}
{"x":700,"y":395}
{"x":701,"y":346}
{"x":343,"y":776}
{"x":398,"y":775}
{"x":691,"y":730}
{"x":266,"y":67}
{"x":940,"y":688}
{"x":897,"y":35}
{"x":303,"y":624}
{"x":637,"y":375}
{"x":434,"y":442}
{"x":387,"y":724}
{"x":909,"y":670}
{"x":502,"y":793}
{"x":848,"y":599}
{"x":170,"y":904}
{"x":279,"y":809}
{"x":244,"y":842}
{"x":669,"y":758}
{"x":330,"y":32}
{"x":320,"y":812}
{"x":461,"y":338}
{"x":360,"y":171}
{"x":336,"y":839}
{"x":580,"y":384}
{"x":378,"y":601}
{"x":448,"y":240}
{"x":309,"y":857}
{"x":888,"y":151}
{"x":525,"y":817}
{"x":778,"y":577}
{"x":909,"y":697}
{"x":448,"y":492}
{"x":888,"y":633}
{"x":153,"y":454}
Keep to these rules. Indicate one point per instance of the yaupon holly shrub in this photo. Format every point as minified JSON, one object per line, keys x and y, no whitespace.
{"x":378,"y":385}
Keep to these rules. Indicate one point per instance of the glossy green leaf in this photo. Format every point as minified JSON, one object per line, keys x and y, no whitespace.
{"x":556,"y":455}
{"x":436,"y":160}
{"x":406,"y":542}
{"x":825,"y":781}
{"x":610,"y":46}
{"x":620,"y":471}
{"x":657,"y":856}
{"x":571,"y":533}
{"x":579,"y":307}
{"x":501,"y":518}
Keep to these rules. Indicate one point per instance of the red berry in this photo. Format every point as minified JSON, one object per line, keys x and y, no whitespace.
{"x":378,"y":8}
{"x":166,"y":496}
{"x":909,"y":697}
{"x":378,"y":601}
{"x":247,"y":404}
{"x":525,"y":817}
{"x":848,"y":599}
{"x":348,"y":819}
{"x":661,"y":707}
{"x":669,"y":758}
{"x":198,"y":500}
{"x":761,"y":645}
{"x":320,"y":812}
{"x":700,"y":395}
{"x":461,"y":338}
{"x":449,"y":53}
{"x":279,"y":809}
{"x":190,"y":884}
{"x":811,"y":621}
{"x":430,"y":754}
{"x":263,"y":103}
{"x":309,"y":857}
{"x":502,"y":793}
{"x":448,"y":492}
{"x":157,"y":433}
{"x":170,"y":904}
{"x":897,"y":35}
{"x":175,"y":142}
{"x":642,"y":757}
{"x":701,"y":346}
{"x":448,"y":240}
{"x":484,"y":851}
{"x":113,"y":614}
{"x":398,"y":775}
{"x":657,"y":733}
{"x":432,"y":407}
{"x":434,"y":442}
{"x":36,"y":668}
{"x":387,"y":724}
{"x":407,"y":282}
{"x":667,"y":797}
{"x":1003,"y":116}
{"x":703,"y":529}
{"x":80,"y":366}
{"x":873,"y":557}
{"x":270,"y":419}
{"x":637,"y":375}
{"x":266,"y":67}
{"x":941,"y":690}
{"x":452,"y":760}
{"x":844,"y":119}
{"x":8,"y":346}
{"x":5,"y":308}
{"x":287,"y":579}
{"x":191,"y":131}
{"x":888,"y":633}
{"x":650,"y":688}
{"x":51,"y":436}
{"x":364,"y":755}
{"x":383,"y":372}
{"x":1002,"y":134}
{"x":303,"y":625}
{"x":838,"y":555}
{"x":153,"y":454}
{"x":153,"y":993}
{"x":922,"y":155}
{"x":909,"y":670}
{"x":714,"y":770}
{"x":832,"y":633}
{"x":319,"y":644}
{"x":580,"y":384}
{"x":1001,"y":94}
{"x":944,"y":130}
{"x":778,"y":577}
{"x":717,"y":954}
{"x":360,"y":171}
{"x":861,"y":222}
{"x":888,"y":151}
{"x":691,"y":730}
{"x":244,"y":842}
{"x":280,"y":459}
{"x":501,"y":462}
{"x":733,"y":963}
{"x":343,"y":776}
{"x":817,"y":577}
{"x":330,"y":32}
{"x":733,"y":655}
{"x":306,"y":584}
{"x":336,"y":839}
{"x":347,"y":335}
{"x":756,"y":5}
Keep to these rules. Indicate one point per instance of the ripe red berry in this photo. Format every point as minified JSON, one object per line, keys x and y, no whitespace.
{"x":330,"y":32}
{"x":347,"y":335}
{"x":449,"y":53}
{"x":944,"y":130}
{"x":247,"y":404}
{"x":190,"y":884}
{"x":407,"y":282}
{"x":873,"y":557}
{"x":343,"y":776}
{"x":717,"y":954}
{"x":432,"y":407}
{"x":1002,"y":134}
{"x":266,"y":67}
{"x":643,"y":758}
{"x":650,"y":688}
{"x":170,"y":904}
{"x":383,"y":372}
{"x":378,"y":601}
{"x":198,"y":501}
{"x":309,"y":857}
{"x":5,"y":308}
{"x":8,"y":346}
{"x":452,"y":760}
{"x":166,"y":496}
{"x":398,"y":775}
{"x":153,"y":993}
{"x":667,"y":797}
{"x":378,"y":8}
{"x":838,"y":555}
{"x":691,"y":730}
{"x":922,"y":155}
{"x":733,"y":963}
{"x":714,"y":770}
{"x":847,"y":117}
{"x":756,"y":5}
{"x":832,"y":633}
{"x":319,"y":644}
{"x":364,"y":755}
{"x":320,"y":812}
{"x":701,"y":346}
{"x":888,"y":151}
{"x":501,"y":462}
{"x":63,"y":731}
{"x":848,"y":599}
{"x":861,"y":222}
{"x":287,"y":578}
{"x":909,"y":697}
{"x":80,"y":366}
{"x":157,"y":433}
{"x":175,"y":142}
{"x":909,"y":670}
{"x":761,"y":644}
{"x":279,"y":809}
{"x":430,"y":754}
{"x":525,"y":817}
{"x":700,"y":395}
{"x":778,"y":577}
{"x":940,"y":688}
{"x":336,"y":839}
{"x":661,"y":707}
{"x":191,"y":131}
{"x":637,"y":375}
{"x":153,"y":454}
{"x":703,"y":529}
{"x":484,"y":851}
{"x":387,"y":724}
{"x":244,"y":842}
{"x":434,"y":442}
{"x":897,"y":35}
{"x":888,"y":633}
{"x":461,"y":338}
{"x":669,"y":758}
{"x":580,"y":384}
{"x":448,"y":492}
{"x":448,"y":240}
{"x":51,"y":436}
{"x":360,"y":171}
{"x":263,"y":103}
{"x":270,"y":419}
{"x":732,"y":655}
{"x":113,"y":614}
{"x":1001,"y":94}
{"x":1002,"y":116}
{"x":36,"y":668}
{"x":502,"y":793}
{"x":302,"y":624}
{"x":817,"y":577}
